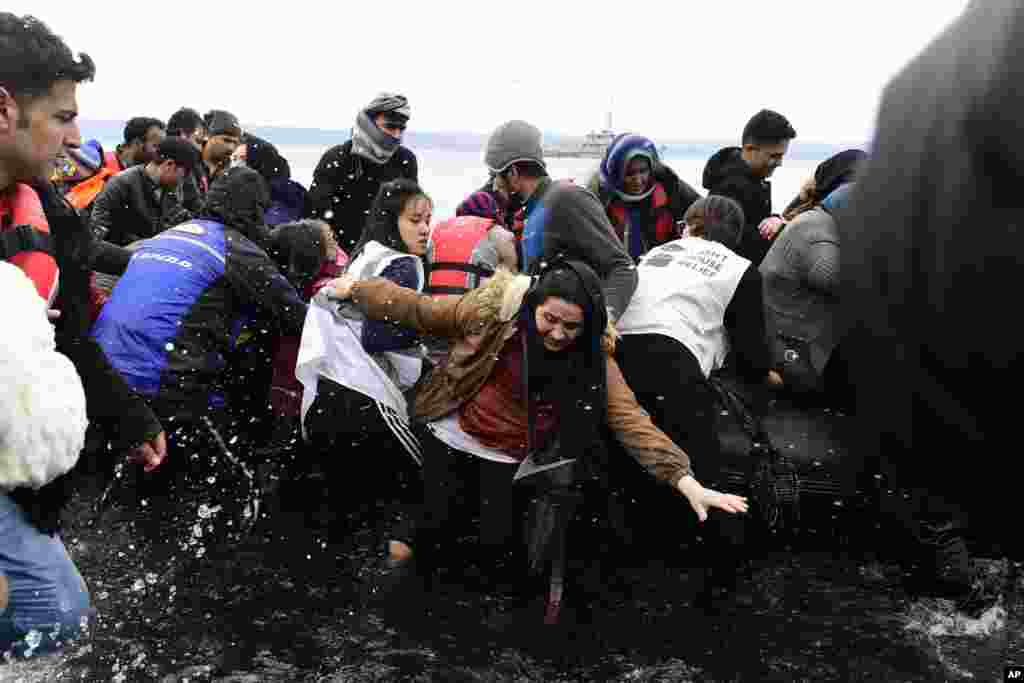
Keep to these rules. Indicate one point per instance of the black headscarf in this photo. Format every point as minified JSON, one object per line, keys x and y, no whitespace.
{"x":836,"y":170}
{"x":575,"y":379}
{"x":238,"y":198}
{"x":297,"y":248}
{"x":264,"y":158}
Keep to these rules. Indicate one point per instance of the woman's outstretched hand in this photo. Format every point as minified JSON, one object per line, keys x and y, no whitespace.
{"x":341,"y":287}
{"x":702,"y":499}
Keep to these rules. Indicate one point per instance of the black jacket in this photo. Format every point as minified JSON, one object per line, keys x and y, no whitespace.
{"x":176,"y":312}
{"x":109,"y":400}
{"x":129,"y":208}
{"x":727,"y":174}
{"x":345,"y":185}
{"x":935,"y":346}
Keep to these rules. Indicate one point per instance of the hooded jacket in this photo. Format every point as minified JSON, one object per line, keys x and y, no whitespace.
{"x":932,"y":246}
{"x":287,"y":197}
{"x":565,"y":220}
{"x":727,"y":174}
{"x":479,"y":323}
{"x":801,"y":285}
{"x":174,"y":314}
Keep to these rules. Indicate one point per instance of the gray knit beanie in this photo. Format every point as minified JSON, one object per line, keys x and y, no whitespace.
{"x":513,"y":141}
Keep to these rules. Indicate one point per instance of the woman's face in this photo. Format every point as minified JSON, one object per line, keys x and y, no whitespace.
{"x":414,"y":225}
{"x":559,"y":323}
{"x":638,"y":175}
{"x":329,"y":250}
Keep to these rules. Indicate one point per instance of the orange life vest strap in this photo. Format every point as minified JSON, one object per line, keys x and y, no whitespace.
{"x":84,"y":193}
{"x":22,"y":211}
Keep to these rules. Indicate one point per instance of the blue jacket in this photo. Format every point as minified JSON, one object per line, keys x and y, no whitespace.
{"x":173,"y":315}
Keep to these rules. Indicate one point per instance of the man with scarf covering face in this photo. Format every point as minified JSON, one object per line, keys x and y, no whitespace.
{"x":645,"y":200}
{"x":349,"y":175}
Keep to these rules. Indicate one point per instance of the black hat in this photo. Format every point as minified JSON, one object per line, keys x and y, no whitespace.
{"x":220,"y":122}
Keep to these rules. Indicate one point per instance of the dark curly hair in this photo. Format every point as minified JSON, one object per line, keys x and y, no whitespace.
{"x":186,"y":120}
{"x":33,"y":58}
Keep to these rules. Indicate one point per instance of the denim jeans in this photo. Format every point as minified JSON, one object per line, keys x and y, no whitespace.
{"x":47,"y":599}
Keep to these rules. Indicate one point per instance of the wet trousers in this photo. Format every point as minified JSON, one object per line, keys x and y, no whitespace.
{"x":43,"y":599}
{"x":463,"y":494}
{"x":670,"y":385}
{"x":367,"y":452}
{"x":203,"y":492}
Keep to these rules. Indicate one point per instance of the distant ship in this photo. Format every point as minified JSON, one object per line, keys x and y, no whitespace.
{"x":593,"y":146}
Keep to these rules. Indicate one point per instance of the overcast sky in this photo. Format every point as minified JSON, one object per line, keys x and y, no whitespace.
{"x":674,"y":69}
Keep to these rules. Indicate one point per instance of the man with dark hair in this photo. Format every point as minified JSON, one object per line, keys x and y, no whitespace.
{"x":742,"y":173}
{"x":142,"y":134}
{"x":224,"y":135}
{"x":348,"y":176}
{"x":560,"y":218}
{"x":38,"y":107}
{"x":142,"y":201}
{"x":186,"y":123}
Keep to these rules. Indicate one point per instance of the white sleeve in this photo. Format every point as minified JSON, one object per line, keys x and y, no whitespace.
{"x":42,"y":402}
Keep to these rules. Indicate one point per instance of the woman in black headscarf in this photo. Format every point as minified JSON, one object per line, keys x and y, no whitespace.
{"x":530,"y":377}
{"x":287,"y":197}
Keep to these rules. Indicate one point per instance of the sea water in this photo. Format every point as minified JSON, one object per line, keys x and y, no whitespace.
{"x":449,"y":176}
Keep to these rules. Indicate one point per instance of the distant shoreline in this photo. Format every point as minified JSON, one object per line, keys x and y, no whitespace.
{"x":107,"y":130}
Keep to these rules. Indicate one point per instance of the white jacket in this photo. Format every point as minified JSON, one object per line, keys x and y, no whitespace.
{"x":42,"y":402}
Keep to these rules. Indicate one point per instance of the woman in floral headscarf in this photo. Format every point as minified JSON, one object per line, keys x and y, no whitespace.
{"x":644,"y":199}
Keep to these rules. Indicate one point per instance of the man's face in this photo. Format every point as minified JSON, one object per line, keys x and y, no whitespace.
{"x":170,"y":175}
{"x":390,"y":125}
{"x":32,"y":136}
{"x":219,"y":148}
{"x":197,"y":138}
{"x":764,"y":159}
{"x":147,"y":150}
{"x":512,"y":183}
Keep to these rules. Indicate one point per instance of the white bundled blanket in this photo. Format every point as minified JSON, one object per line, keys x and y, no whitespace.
{"x":42,"y":402}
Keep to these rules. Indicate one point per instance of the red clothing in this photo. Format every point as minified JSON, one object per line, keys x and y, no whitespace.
{"x":497,"y":415}
{"x":20,"y":206}
{"x":652,"y":217}
{"x":285,"y":389}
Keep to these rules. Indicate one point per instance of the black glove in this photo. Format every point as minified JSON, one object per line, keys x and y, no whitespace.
{"x":44,"y":507}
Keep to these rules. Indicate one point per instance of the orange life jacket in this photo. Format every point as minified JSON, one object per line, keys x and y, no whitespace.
{"x":452,"y":245}
{"x":84,"y":193}
{"x":26,"y":239}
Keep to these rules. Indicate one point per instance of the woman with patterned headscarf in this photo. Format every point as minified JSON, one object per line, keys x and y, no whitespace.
{"x":644,"y":198}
